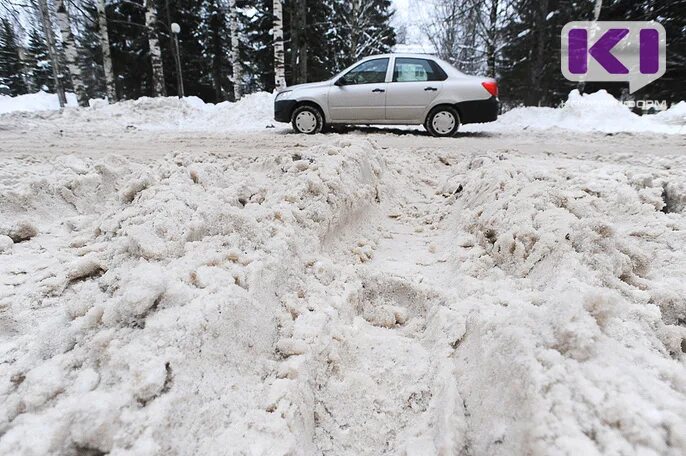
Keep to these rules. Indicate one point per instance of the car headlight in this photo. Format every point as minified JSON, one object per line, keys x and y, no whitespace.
{"x":285,"y":95}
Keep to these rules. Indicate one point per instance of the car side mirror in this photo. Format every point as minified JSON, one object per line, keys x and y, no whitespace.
{"x":340,"y":81}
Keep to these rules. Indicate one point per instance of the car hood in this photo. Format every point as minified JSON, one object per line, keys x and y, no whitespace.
{"x":309,"y":85}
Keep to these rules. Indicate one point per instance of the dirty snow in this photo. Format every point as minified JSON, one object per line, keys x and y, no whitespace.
{"x":491,"y":294}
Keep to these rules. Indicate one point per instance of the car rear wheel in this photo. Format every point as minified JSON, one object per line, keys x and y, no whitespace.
{"x":308,"y":120}
{"x":442,"y":121}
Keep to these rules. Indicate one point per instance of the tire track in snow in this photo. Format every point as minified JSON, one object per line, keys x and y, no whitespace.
{"x":392,"y":388}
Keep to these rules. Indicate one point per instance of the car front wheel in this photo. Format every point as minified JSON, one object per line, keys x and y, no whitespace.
{"x":308,"y":120}
{"x":443,"y":121}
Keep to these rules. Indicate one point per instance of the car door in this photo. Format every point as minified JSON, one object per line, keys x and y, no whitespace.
{"x":415,"y":84}
{"x":360,"y":94}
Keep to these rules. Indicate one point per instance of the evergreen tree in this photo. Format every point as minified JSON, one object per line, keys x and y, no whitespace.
{"x":11,"y":68}
{"x":90,"y":54}
{"x":215,"y":37}
{"x":531,"y":54}
{"x":257,"y":24}
{"x":129,"y":46}
{"x":359,"y":28}
{"x":671,"y":14}
{"x":38,"y":64}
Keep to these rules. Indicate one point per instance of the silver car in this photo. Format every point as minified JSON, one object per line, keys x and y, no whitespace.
{"x":409,"y":89}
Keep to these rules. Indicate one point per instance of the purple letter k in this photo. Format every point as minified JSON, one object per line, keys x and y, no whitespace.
{"x":601,"y":51}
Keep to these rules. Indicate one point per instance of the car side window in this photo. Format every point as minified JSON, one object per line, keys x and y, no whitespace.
{"x":413,"y":70}
{"x":369,"y":72}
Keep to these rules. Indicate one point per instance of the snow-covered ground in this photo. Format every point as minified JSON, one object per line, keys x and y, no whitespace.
{"x":171,"y":287}
{"x":599,"y":112}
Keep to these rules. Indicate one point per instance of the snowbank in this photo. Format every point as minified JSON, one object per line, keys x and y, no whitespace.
{"x":40,"y":101}
{"x":598,"y":111}
{"x":585,"y":113}
{"x":252,"y":112}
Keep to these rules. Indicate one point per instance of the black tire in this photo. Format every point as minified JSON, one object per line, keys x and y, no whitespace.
{"x":307,"y":120}
{"x":442,"y":121}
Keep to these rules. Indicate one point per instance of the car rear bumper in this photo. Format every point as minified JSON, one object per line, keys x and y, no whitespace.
{"x":479,"y":111}
{"x":283,"y":110}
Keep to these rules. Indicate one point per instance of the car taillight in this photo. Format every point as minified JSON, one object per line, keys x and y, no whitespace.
{"x":491,"y":86}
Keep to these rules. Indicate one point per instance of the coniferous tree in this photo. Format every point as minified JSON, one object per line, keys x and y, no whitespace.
{"x":128,"y":43}
{"x":257,"y":26}
{"x":11,"y":68}
{"x":359,"y":28}
{"x":38,"y":65}
{"x":90,"y":60}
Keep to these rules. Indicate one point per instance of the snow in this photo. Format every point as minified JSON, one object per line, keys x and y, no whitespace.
{"x":596,"y":112}
{"x":40,"y":101}
{"x":261,"y":293}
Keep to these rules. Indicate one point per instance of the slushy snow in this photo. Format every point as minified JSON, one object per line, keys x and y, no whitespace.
{"x":341,"y":297}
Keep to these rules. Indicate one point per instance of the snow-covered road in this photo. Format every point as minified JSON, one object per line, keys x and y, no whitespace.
{"x":366,"y":293}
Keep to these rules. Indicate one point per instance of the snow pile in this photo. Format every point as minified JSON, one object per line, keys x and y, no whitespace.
{"x":253,"y":112}
{"x":584,"y":354}
{"x":598,"y":111}
{"x":40,"y":101}
{"x":676,"y":115}
{"x":169,"y":296}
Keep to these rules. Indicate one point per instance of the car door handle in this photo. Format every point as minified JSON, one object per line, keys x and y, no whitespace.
{"x":378,"y":90}
{"x":430,"y":89}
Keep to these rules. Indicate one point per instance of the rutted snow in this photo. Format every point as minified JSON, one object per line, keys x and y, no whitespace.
{"x":344,"y":298}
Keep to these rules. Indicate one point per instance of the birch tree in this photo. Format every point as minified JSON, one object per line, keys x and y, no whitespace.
{"x":236,"y":65}
{"x":106,"y":53}
{"x":46,"y":21}
{"x":597,"y":8}
{"x":158,"y":88}
{"x":70,"y":52}
{"x":279,"y":52}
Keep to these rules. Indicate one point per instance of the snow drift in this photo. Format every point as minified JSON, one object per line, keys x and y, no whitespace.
{"x":599,"y":112}
{"x":39,"y":101}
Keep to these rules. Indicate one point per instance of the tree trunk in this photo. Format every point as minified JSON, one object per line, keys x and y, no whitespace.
{"x":106,"y":54}
{"x":236,"y":65}
{"x":597,"y":8}
{"x":44,"y":13}
{"x":298,"y":41}
{"x":538,"y":62}
{"x":302,"y":51}
{"x":492,"y":43}
{"x":70,"y":53}
{"x":279,"y":54}
{"x":158,"y":88}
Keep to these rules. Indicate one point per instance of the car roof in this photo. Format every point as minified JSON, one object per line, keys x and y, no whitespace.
{"x":401,"y":54}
